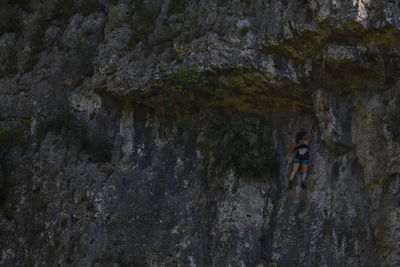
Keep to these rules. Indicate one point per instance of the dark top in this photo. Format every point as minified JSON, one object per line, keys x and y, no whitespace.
{"x":303,"y":151}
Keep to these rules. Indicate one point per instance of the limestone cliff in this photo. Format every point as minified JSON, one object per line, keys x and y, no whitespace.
{"x":156,"y":132}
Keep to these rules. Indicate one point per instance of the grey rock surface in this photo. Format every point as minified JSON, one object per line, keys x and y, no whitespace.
{"x":112,"y":178}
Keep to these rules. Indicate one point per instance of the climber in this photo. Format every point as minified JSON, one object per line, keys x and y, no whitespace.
{"x":302,"y":157}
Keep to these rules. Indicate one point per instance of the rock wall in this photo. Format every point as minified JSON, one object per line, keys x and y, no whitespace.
{"x":112,"y":178}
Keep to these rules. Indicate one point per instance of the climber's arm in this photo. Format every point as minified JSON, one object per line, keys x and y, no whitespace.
{"x":294,"y":147}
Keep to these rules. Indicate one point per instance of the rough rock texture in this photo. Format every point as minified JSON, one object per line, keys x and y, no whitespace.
{"x":111,"y":181}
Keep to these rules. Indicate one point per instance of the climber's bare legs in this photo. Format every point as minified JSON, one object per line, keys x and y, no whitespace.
{"x":296,"y":167}
{"x":304,"y":169}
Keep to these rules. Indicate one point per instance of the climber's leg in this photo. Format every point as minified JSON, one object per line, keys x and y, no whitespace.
{"x":304,"y":168}
{"x":296,"y":167}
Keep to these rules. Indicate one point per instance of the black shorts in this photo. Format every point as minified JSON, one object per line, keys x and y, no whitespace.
{"x":305,"y":160}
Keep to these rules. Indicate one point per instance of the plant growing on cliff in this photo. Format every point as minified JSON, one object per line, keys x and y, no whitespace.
{"x":144,"y":18}
{"x":79,"y":62}
{"x":75,"y":131}
{"x":86,"y":6}
{"x":241,"y":143}
{"x":11,"y":137}
{"x":236,"y":141}
{"x":176,"y":6}
{"x":183,"y":92}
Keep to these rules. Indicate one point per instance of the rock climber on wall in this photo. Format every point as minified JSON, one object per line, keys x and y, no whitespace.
{"x":302,"y":157}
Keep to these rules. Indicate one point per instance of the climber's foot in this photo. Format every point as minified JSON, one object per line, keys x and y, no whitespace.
{"x":303,"y":184}
{"x":290,"y":184}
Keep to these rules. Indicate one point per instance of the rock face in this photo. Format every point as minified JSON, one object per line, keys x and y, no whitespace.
{"x":129,"y":166}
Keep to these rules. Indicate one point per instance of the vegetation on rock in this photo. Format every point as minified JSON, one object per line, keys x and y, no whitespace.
{"x":12,"y":137}
{"x":237,"y":140}
{"x":87,"y":6}
{"x":241,"y":143}
{"x":80,"y":61}
{"x":177,"y":6}
{"x":76,"y":131}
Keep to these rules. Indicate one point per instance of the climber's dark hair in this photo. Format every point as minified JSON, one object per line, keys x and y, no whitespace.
{"x":300,"y":134}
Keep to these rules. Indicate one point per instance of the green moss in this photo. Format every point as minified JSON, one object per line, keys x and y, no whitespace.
{"x":86,"y":6}
{"x":144,"y":18}
{"x":372,"y":185}
{"x":79,"y":62}
{"x":241,"y":143}
{"x":379,"y":182}
{"x":58,"y":123}
{"x":236,"y":140}
{"x":190,"y":91}
{"x":187,"y":122}
{"x":187,"y":91}
{"x":119,"y":14}
{"x":311,"y":184}
{"x":304,"y":196}
{"x":245,"y":3}
{"x":12,"y":137}
{"x":177,"y":6}
{"x":98,"y":145}
{"x":105,"y":255}
{"x":76,"y":132}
